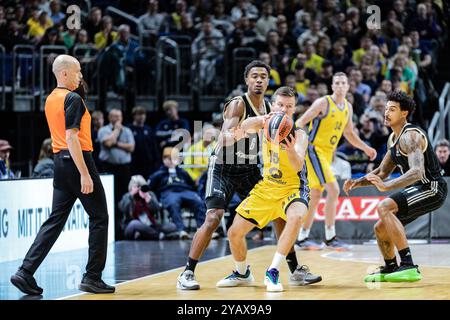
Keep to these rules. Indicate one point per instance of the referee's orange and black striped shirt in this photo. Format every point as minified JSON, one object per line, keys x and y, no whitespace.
{"x":65,"y":110}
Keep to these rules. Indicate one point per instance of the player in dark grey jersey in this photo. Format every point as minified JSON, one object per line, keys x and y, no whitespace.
{"x":424,"y":190}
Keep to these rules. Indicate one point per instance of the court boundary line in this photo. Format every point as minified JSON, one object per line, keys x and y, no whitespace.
{"x":325,"y":255}
{"x":159,"y":273}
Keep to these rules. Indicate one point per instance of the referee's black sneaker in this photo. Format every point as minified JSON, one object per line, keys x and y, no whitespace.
{"x":25,"y":282}
{"x":95,"y":286}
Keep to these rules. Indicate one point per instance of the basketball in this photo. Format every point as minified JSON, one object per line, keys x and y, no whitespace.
{"x":278,"y":127}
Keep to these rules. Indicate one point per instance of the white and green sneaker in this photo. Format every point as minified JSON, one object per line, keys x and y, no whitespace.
{"x":235,"y":279}
{"x":272,"y":281}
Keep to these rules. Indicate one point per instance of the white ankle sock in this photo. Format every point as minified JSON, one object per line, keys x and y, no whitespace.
{"x":303,"y":234}
{"x":241,"y":266}
{"x":330,"y":232}
{"x":277,"y":258}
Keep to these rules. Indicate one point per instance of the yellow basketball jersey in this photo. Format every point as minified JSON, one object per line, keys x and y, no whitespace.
{"x":325,"y":131}
{"x":277,"y":171}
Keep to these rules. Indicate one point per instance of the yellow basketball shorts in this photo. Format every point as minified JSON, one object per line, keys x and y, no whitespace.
{"x":266,"y":203}
{"x":318,"y":164}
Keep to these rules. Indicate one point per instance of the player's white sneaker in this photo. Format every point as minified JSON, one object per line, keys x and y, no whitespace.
{"x":272,"y":281}
{"x":235,"y":279}
{"x":186,"y":281}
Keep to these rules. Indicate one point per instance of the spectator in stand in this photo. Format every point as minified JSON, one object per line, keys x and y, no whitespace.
{"x":392,"y":29}
{"x":207,"y":52}
{"x":386,"y":86}
{"x":50,"y":38}
{"x":198,"y":153}
{"x":145,"y":158}
{"x":290,"y":81}
{"x":302,"y":84}
{"x":5,"y":168}
{"x":419,"y":50}
{"x":442,"y":150}
{"x":166,"y":127}
{"x":369,"y":78}
{"x":13,"y":36}
{"x":55,"y":12}
{"x":326,"y":75}
{"x":106,"y":36}
{"x":302,"y":24}
{"x":314,"y":34}
{"x":152,"y":21}
{"x":400,"y":70}
{"x":174,"y":19}
{"x":176,"y":190}
{"x":266,"y":22}
{"x":339,"y":60}
{"x":425,"y":23}
{"x":366,"y":44}
{"x":140,"y":210}
{"x":97,"y":123}
{"x":93,"y":24}
{"x":274,"y":75}
{"x":45,"y":166}
{"x":117,"y":145}
{"x":37,"y":30}
{"x":313,"y":60}
{"x":362,"y":88}
{"x":359,"y":104}
{"x":220,"y":20}
{"x":243,"y":8}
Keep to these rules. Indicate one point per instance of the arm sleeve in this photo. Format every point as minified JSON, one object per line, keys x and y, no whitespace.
{"x":75,"y":109}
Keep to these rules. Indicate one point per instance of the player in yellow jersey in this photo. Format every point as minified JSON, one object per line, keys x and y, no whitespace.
{"x":329,"y":118}
{"x":282,"y":196}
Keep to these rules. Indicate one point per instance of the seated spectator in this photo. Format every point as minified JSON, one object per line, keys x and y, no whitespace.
{"x":386,"y":86}
{"x":145,"y":158}
{"x":174,"y":19}
{"x":274,"y":75}
{"x":266,"y":22}
{"x":341,"y":168}
{"x":302,"y":84}
{"x":106,"y":36}
{"x":366,"y":44}
{"x":442,"y":150}
{"x":339,"y":60}
{"x":166,"y":127}
{"x":220,"y":20}
{"x":93,"y":25}
{"x":400,"y":70}
{"x":37,"y":30}
{"x":140,"y":210}
{"x":198,"y":153}
{"x":291,"y":82}
{"x":207,"y":51}
{"x":243,"y":8}
{"x":5,"y":169}
{"x":420,"y":51}
{"x":45,"y":165}
{"x":176,"y":190}
{"x":13,"y":36}
{"x":152,"y":21}
{"x":313,"y":60}
{"x":425,"y":23}
{"x":55,"y":12}
{"x":376,"y":133}
{"x":326,"y":75}
{"x":362,"y":88}
{"x":314,"y":34}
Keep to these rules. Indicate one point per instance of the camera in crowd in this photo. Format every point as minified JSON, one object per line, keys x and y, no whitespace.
{"x":145,"y":188}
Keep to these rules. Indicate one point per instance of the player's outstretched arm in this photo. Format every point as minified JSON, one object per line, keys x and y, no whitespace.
{"x":386,"y":167}
{"x":296,"y":149}
{"x":354,"y":139}
{"x":254,"y":124}
{"x":318,"y":107}
{"x":232,"y":116}
{"x":413,"y":144}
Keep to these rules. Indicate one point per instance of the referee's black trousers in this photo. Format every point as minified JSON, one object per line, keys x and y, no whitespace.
{"x":67,"y":188}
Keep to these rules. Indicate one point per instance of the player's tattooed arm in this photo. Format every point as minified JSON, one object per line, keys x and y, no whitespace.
{"x":383,"y":171}
{"x":232,"y":116}
{"x":254,"y":124}
{"x":411,"y":143}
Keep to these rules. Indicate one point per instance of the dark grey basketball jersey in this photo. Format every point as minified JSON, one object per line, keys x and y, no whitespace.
{"x":246,"y":150}
{"x":433,"y":170}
